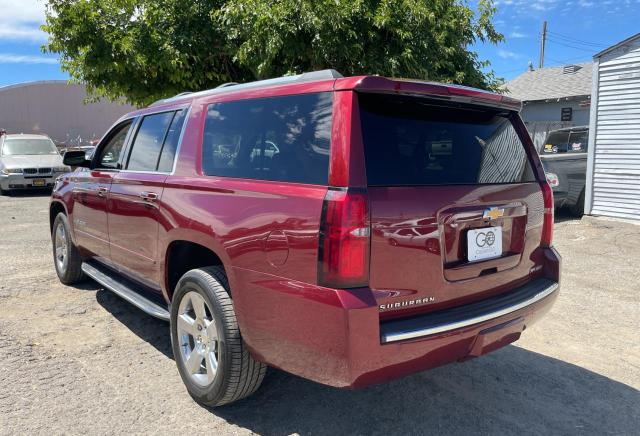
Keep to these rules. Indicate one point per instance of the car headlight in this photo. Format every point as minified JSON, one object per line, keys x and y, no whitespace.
{"x":62,"y":169}
{"x":7,"y":171}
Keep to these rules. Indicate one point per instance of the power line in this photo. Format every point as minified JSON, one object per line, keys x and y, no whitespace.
{"x":555,"y":41}
{"x":576,"y":41}
{"x":565,"y":61}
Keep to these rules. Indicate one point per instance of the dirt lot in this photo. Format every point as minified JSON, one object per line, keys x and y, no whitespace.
{"x":79,"y":360}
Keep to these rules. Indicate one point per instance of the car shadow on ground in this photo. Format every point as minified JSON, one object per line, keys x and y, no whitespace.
{"x":563,"y":214}
{"x":511,"y":391}
{"x":152,"y":330}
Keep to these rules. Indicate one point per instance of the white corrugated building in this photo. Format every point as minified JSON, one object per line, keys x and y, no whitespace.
{"x":613,"y":168}
{"x":56,"y":108}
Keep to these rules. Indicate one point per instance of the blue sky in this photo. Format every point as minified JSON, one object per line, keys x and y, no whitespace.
{"x":577,"y":30}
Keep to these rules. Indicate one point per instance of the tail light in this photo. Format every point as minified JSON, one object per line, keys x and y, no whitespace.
{"x":553,"y":180}
{"x":547,"y":227}
{"x":343,"y":255}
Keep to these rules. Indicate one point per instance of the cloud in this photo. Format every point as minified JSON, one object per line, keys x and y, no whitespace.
{"x":21,"y":33}
{"x":506,"y":54}
{"x":8,"y":58}
{"x":21,"y":20}
{"x":517,"y":35}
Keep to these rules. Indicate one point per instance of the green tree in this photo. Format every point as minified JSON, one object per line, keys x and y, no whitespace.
{"x":143,"y":50}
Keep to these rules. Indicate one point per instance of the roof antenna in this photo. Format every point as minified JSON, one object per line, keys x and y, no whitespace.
{"x":531,"y":66}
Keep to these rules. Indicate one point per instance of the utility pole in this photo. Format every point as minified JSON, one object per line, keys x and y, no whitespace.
{"x":543,"y":41}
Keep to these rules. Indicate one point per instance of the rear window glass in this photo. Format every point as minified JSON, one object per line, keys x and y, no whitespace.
{"x":566,"y":141}
{"x":413,"y":141}
{"x":280,"y":138}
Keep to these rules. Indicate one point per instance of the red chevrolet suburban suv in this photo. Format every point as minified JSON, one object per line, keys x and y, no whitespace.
{"x":349,"y":230}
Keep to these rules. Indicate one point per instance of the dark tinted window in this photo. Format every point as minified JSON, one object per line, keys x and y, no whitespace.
{"x":566,"y":141}
{"x":148,"y":142}
{"x":110,"y":153}
{"x":281,"y":138}
{"x":414,"y":141}
{"x":578,"y":141}
{"x":171,"y":143}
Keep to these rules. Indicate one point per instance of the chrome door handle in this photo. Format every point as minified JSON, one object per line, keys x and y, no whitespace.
{"x":149,"y":196}
{"x":102,"y":191}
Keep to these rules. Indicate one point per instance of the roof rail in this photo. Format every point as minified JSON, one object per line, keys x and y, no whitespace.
{"x":227,"y":87}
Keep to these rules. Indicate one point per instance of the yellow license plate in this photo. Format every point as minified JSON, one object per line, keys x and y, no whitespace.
{"x":39,"y":182}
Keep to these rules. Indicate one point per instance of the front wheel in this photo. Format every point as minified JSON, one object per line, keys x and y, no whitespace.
{"x":212,"y":359}
{"x":66,"y":257}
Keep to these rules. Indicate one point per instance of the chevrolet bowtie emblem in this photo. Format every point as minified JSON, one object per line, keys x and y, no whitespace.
{"x":493,"y":213}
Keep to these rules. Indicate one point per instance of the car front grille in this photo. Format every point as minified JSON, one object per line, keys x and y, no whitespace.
{"x":36,"y":172}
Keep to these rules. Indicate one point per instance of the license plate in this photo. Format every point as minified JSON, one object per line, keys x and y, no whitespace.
{"x":484,"y":243}
{"x":39,"y":182}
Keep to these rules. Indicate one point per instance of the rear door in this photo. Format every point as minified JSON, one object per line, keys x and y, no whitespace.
{"x":456,"y":211}
{"x":136,"y":193}
{"x":90,"y":192}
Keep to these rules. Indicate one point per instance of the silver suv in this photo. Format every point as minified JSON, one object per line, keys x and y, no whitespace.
{"x":28,"y":161}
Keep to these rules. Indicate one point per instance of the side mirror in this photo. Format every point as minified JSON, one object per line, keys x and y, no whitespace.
{"x":76,"y":159}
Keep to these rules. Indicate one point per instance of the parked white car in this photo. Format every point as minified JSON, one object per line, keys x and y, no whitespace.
{"x":28,"y":162}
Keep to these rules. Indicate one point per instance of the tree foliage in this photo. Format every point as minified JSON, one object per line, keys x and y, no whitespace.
{"x":143,"y":50}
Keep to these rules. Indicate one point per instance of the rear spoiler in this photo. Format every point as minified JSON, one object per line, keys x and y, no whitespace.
{"x":457,"y":93}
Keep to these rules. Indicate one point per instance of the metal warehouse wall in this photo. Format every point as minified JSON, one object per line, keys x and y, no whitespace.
{"x":613,"y":177}
{"x":57,"y":109}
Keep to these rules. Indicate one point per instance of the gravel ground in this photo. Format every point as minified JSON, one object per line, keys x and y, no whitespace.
{"x":79,"y":360}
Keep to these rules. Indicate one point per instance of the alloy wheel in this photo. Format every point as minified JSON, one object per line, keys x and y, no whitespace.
{"x":61,"y":248}
{"x":198,"y":336}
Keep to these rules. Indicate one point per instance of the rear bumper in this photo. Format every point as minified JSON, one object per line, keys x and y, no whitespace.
{"x":335,"y":337}
{"x":460,"y":317}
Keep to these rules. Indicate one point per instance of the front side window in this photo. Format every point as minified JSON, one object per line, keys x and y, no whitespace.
{"x":411,"y":141}
{"x":110,"y":153}
{"x":280,"y":138}
{"x":28,"y":146}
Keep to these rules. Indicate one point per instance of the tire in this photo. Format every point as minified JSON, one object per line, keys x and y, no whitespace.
{"x":199,"y":341}
{"x":66,"y":258}
{"x":5,"y":192}
{"x":577,"y":209}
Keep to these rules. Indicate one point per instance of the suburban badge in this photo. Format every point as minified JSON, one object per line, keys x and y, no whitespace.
{"x":407,"y":303}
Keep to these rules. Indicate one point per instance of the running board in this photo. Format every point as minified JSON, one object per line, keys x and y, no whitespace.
{"x":124,"y":291}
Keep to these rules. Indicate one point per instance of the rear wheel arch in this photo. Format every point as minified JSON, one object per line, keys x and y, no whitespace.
{"x":183,"y":255}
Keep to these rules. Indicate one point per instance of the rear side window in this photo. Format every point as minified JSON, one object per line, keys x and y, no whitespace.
{"x":155,"y":143}
{"x":147,"y":144}
{"x":280,"y":138}
{"x":414,"y":141}
{"x":170,"y":146}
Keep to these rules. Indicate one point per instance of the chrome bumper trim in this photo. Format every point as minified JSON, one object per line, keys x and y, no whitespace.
{"x":404,"y":334}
